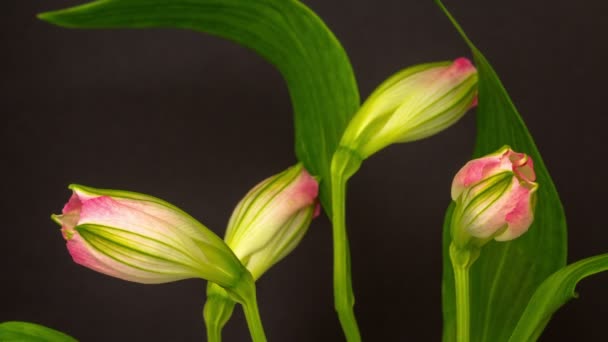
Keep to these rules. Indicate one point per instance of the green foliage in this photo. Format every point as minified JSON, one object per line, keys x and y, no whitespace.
{"x":24,"y":331}
{"x":554,"y":292}
{"x":507,"y":273}
{"x":286,"y":33}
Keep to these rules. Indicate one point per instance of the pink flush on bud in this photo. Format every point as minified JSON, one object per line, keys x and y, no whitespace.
{"x":414,"y":104}
{"x":461,"y":65}
{"x":495,"y":196}
{"x":143,"y":239}
{"x":272,"y":218}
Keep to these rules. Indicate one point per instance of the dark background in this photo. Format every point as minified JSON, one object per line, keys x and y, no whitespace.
{"x":197,"y":121}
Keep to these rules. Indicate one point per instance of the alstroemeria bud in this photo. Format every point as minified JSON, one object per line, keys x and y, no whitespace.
{"x":143,"y":239}
{"x":495,"y":198}
{"x":266,"y":225}
{"x":417,"y":102}
{"x":272,"y":218}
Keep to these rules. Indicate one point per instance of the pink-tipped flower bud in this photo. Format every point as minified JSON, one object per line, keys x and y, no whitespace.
{"x":272,"y":218}
{"x":415,"y":103}
{"x":495,"y":198}
{"x":143,"y":239}
{"x":266,"y":225}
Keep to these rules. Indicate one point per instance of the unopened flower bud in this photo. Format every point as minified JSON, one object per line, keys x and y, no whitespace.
{"x":495,"y":198}
{"x":266,"y":225}
{"x":143,"y":239}
{"x":272,"y":218}
{"x":417,"y":102}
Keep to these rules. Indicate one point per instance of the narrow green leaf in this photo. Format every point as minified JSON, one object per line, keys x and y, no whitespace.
{"x":285,"y":32}
{"x":554,"y":292}
{"x":506,"y":275}
{"x":24,"y":331}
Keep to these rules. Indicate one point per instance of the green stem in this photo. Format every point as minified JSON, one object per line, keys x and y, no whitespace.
{"x":243,"y":292}
{"x":254,"y":322}
{"x":461,"y":276}
{"x":217,"y":311}
{"x":462,"y":260}
{"x":342,"y":168}
{"x":214,"y":333}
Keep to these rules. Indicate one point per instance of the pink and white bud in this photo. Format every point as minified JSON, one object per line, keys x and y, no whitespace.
{"x":416,"y":103}
{"x":269,"y":222}
{"x":495,"y":197}
{"x":143,"y":239}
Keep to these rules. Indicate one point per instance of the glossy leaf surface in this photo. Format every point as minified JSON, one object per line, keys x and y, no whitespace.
{"x":507,"y":273}
{"x":285,"y":32}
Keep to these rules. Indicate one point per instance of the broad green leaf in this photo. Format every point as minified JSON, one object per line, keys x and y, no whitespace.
{"x":554,"y":292}
{"x":506,"y":275}
{"x":24,"y":331}
{"x":285,"y":32}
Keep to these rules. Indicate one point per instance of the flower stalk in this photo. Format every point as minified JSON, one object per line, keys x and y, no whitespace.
{"x":462,"y":260}
{"x":345,"y":163}
{"x":415,"y":103}
{"x":249,"y":301}
{"x":494,"y":198}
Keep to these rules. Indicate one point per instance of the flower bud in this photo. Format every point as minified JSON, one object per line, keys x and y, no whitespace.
{"x":143,"y":239}
{"x":495,"y":198}
{"x":272,"y":218}
{"x":417,"y":102}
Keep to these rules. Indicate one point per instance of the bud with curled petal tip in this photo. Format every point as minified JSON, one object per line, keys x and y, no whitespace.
{"x":143,"y":239}
{"x":495,"y":198}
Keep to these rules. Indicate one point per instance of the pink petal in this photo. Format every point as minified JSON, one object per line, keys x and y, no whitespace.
{"x":303,"y":191}
{"x":107,"y":211}
{"x":521,"y":216}
{"x":308,"y":186}
{"x":473,"y":172}
{"x":317,"y":211}
{"x":475,"y":102}
{"x":87,"y":256}
{"x":491,"y":218}
{"x":73,"y":204}
{"x":461,"y":65}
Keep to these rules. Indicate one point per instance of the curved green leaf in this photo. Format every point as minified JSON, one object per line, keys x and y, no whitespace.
{"x":285,"y":32}
{"x":507,"y":273}
{"x":24,"y":331}
{"x":554,"y":292}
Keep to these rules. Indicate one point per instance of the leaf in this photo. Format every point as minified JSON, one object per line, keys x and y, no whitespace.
{"x":285,"y":32}
{"x":24,"y":331}
{"x":506,"y":275}
{"x":554,"y":292}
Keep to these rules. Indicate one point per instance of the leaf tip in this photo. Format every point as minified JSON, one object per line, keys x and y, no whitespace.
{"x":55,"y":18}
{"x":45,"y":16}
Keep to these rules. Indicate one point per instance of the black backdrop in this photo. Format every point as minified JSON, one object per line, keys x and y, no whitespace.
{"x":197,"y":121}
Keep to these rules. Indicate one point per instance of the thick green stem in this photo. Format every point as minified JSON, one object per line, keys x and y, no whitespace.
{"x":214,"y":333}
{"x":343,"y":166}
{"x":462,"y":260}
{"x":252,"y":315}
{"x":244,"y":292}
{"x":463,"y":324}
